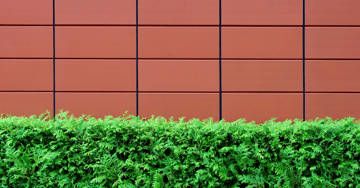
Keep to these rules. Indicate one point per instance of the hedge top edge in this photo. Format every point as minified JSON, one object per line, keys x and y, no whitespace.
{"x":64,"y":116}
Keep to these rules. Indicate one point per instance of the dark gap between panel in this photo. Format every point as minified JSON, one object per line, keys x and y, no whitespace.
{"x":261,"y":58}
{"x":54,"y":57}
{"x":303,"y":43}
{"x":261,"y":25}
{"x":200,"y":92}
{"x":137,"y":58}
{"x":26,"y":58}
{"x":338,"y":59}
{"x":262,"y":92}
{"x":220,"y":75}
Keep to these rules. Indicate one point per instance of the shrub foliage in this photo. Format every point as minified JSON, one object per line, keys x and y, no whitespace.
{"x":132,"y":152}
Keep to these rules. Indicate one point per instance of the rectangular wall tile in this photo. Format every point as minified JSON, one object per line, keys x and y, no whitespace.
{"x":25,"y":103}
{"x":332,"y":12}
{"x":265,"y":75}
{"x":95,"y":42}
{"x":260,"y":107}
{"x":261,"y":42}
{"x":178,"y":75}
{"x":189,"y":105}
{"x":179,"y":42}
{"x":332,"y":75}
{"x":25,"y":12}
{"x":26,"y":75}
{"x":26,"y":42}
{"x":97,"y":105}
{"x":95,"y":75}
{"x":334,"y":105}
{"x":179,"y":12}
{"x":262,"y":12}
{"x":332,"y":42}
{"x":95,"y":12}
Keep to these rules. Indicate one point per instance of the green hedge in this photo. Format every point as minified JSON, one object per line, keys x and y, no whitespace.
{"x":132,"y":152}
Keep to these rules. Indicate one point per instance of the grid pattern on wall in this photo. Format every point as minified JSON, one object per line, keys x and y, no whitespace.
{"x":171,"y":49}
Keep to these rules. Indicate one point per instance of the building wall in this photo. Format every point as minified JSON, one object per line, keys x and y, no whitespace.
{"x":95,"y":51}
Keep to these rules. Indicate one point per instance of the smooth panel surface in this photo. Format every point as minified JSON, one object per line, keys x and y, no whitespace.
{"x":96,"y":104}
{"x":178,"y":42}
{"x":25,"y":12}
{"x":189,"y":105}
{"x":95,"y":42}
{"x":266,"y":75}
{"x":95,"y":12}
{"x":262,"y":12}
{"x":261,"y":42}
{"x":179,"y":12}
{"x":261,"y":107}
{"x":327,"y":42}
{"x":25,"y":103}
{"x":332,"y":12}
{"x":178,"y":75}
{"x":26,"y":42}
{"x":26,"y":75}
{"x":334,"y":105}
{"x":332,"y":75}
{"x":95,"y":75}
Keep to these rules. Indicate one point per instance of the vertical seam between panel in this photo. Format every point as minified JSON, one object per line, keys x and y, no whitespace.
{"x":54,"y":58}
{"x":220,"y":75}
{"x":137,"y":59}
{"x":303,"y":43}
